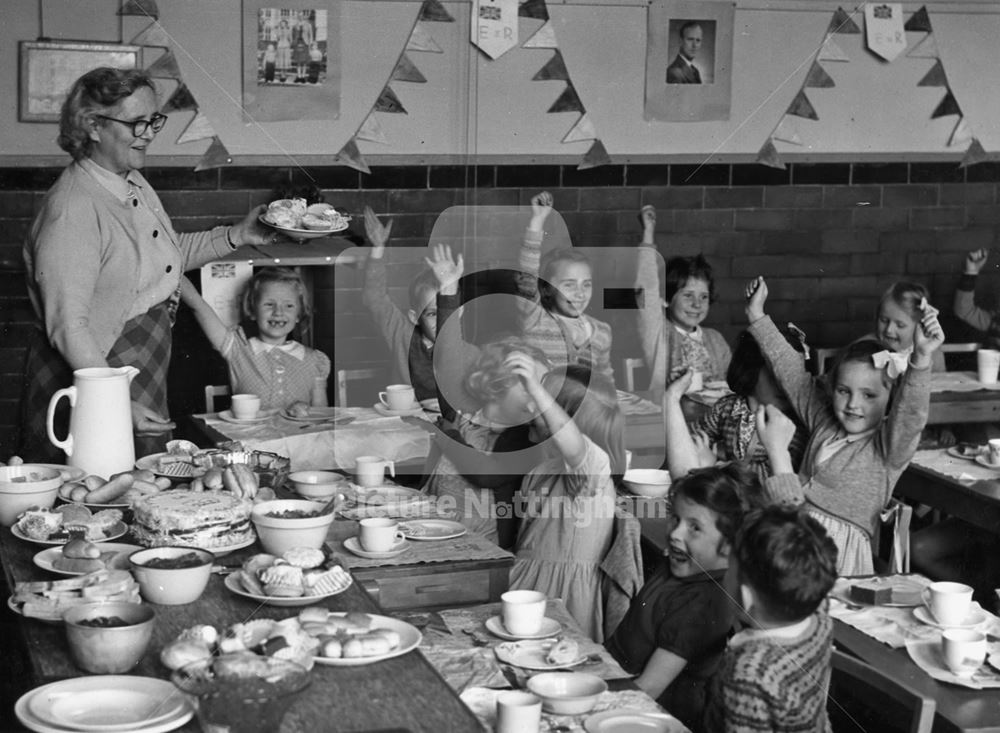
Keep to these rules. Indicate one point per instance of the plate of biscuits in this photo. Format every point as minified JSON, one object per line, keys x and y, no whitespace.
{"x":299,"y":577}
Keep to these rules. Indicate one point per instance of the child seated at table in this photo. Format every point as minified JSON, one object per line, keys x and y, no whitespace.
{"x":675,"y":630}
{"x":270,"y":365}
{"x":556,"y":290}
{"x":896,"y":320}
{"x":676,"y":341}
{"x":410,"y":336}
{"x":856,"y":451}
{"x":987,"y":321}
{"x":775,"y":674}
{"x":730,"y":423}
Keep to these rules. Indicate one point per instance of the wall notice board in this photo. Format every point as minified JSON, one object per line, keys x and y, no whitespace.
{"x":471,"y":108}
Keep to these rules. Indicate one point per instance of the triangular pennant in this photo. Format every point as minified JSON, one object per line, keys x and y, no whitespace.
{"x":406,"y":70}
{"x":215,"y":157}
{"x":919,"y":21}
{"x":595,"y":157}
{"x":140,"y":7}
{"x":389,"y":102}
{"x":350,"y":156}
{"x":420,"y":40}
{"x":545,"y":37}
{"x":569,"y":101}
{"x":787,"y":131}
{"x":961,"y":135}
{"x":948,"y":106}
{"x":533,"y":9}
{"x":554,"y":69}
{"x":165,"y":67}
{"x":371,"y":130}
{"x":199,"y":128}
{"x":830,"y":51}
{"x":974,"y":154}
{"x":802,"y":107}
{"x":842,"y":23}
{"x":582,"y":130}
{"x":935,"y":77}
{"x":818,"y":78}
{"x":768,"y":155}
{"x":153,"y":35}
{"x":926,"y":48}
{"x":180,"y":100}
{"x":433,"y":10}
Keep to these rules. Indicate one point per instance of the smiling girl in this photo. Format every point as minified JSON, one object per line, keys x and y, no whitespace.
{"x":270,"y":365}
{"x":899,"y":312}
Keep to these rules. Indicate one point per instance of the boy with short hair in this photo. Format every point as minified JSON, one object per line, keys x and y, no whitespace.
{"x":775,"y":675}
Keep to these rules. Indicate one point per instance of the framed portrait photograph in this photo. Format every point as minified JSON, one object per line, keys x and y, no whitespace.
{"x":47,"y":70}
{"x":688,"y":61}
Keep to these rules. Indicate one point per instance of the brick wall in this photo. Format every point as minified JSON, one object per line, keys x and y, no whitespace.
{"x":828,"y":237}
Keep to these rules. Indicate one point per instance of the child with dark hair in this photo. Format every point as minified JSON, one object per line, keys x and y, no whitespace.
{"x":673,"y":339}
{"x":556,"y":290}
{"x":859,"y":444}
{"x":675,"y":630}
{"x":981,"y":319}
{"x":410,"y":335}
{"x":776,"y":673}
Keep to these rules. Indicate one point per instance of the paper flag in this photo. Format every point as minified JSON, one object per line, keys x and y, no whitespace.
{"x":350,"y":156}
{"x":406,"y":70}
{"x":595,"y":157}
{"x":153,"y":35}
{"x":582,"y":130}
{"x":974,"y":154}
{"x":180,"y":100}
{"x":919,"y":21}
{"x":420,"y":40}
{"x":199,"y":128}
{"x":884,"y":32}
{"x":935,"y":77}
{"x":433,"y":10}
{"x":842,"y":23}
{"x":787,"y":131}
{"x":140,"y":7}
{"x":495,"y":26}
{"x":948,"y":106}
{"x":768,"y":155}
{"x":830,"y":51}
{"x":371,"y":130}
{"x":215,"y":157}
{"x":545,"y":37}
{"x":568,"y":101}
{"x":818,"y":77}
{"x":554,"y":69}
{"x":165,"y":67}
{"x":926,"y":48}
{"x":389,"y":102}
{"x":962,"y":133}
{"x":533,"y":9}
{"x":802,"y":107}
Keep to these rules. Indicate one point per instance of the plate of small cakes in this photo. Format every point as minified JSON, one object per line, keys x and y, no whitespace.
{"x":299,"y":577}
{"x":297,"y":220}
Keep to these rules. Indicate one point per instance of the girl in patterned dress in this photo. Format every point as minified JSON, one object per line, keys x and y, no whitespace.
{"x":270,"y":365}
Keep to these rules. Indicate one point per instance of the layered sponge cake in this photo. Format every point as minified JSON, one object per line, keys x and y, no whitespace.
{"x":209,"y":519}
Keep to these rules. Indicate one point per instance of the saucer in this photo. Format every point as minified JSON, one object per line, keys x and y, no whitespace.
{"x":956,"y":451}
{"x":981,"y":460}
{"x":387,"y":412}
{"x":976,"y":617}
{"x":262,"y":416}
{"x":550,"y":627}
{"x":353,"y":544}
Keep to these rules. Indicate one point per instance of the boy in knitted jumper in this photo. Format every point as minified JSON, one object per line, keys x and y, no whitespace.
{"x":775,"y":674}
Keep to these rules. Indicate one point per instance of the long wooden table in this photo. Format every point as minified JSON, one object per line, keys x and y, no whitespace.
{"x":933,"y":479}
{"x":403,"y":693}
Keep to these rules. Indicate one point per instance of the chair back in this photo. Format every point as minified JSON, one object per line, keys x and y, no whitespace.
{"x":211,"y":392}
{"x":822,"y":356}
{"x":344,"y":376}
{"x":629,"y":365}
{"x":864,"y":699}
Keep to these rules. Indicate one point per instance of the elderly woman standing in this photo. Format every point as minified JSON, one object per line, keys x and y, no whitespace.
{"x":104,"y":262}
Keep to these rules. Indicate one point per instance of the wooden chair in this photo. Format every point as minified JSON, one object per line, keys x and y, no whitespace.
{"x":211,"y":392}
{"x":351,"y":375}
{"x":821,"y":356}
{"x":970,"y":347}
{"x":629,"y":365}
{"x":856,"y":687}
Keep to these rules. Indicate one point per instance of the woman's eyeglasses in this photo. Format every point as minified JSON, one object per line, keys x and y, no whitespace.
{"x":139,"y":127}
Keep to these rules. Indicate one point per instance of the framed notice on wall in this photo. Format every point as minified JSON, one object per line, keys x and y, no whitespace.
{"x":48,"y":70}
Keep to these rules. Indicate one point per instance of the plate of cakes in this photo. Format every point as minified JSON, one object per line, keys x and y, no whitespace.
{"x":57,"y":526}
{"x":299,"y":577}
{"x":297,"y":220}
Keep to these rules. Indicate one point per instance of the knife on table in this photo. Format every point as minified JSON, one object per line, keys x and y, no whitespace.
{"x":338,"y":421}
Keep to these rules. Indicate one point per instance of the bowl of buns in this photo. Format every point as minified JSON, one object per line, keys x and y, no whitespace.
{"x":108,"y":638}
{"x":567,"y":693}
{"x":171,"y":576}
{"x":26,"y":486}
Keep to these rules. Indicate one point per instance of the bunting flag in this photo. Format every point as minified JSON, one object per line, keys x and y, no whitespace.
{"x":350,"y":156}
{"x":389,"y":102}
{"x":215,"y":157}
{"x":371,"y":130}
{"x":974,"y":154}
{"x":787,"y":131}
{"x":961,"y":135}
{"x":140,"y":7}
{"x":582,"y":130}
{"x":818,"y":78}
{"x":533,"y":9}
{"x":545,"y":37}
{"x":842,"y":23}
{"x":568,"y":101}
{"x":919,"y":21}
{"x":434,"y":11}
{"x":935,"y":77}
{"x":768,"y":155}
{"x":165,"y":67}
{"x":555,"y":69}
{"x":947,"y":106}
{"x":153,"y":35}
{"x":199,"y":128}
{"x":595,"y":157}
{"x":802,"y":107}
{"x":926,"y":48}
{"x":406,"y":70}
{"x":180,"y":100}
{"x":420,"y":40}
{"x":831,"y":51}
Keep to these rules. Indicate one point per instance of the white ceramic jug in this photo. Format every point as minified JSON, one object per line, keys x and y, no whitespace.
{"x":100,"y":424}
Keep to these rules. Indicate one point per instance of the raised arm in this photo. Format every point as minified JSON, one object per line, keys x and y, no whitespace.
{"x":529,"y":257}
{"x":562,"y":430}
{"x":965,"y":295}
{"x":775,"y":431}
{"x":652,"y":337}
{"x":215,"y":330}
{"x":683,"y":453}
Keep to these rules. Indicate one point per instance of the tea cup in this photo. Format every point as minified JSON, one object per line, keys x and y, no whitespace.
{"x":518,"y":712}
{"x":379,"y":534}
{"x":949,"y":603}
{"x":398,"y":397}
{"x":987,"y":364}
{"x":245,"y":406}
{"x":522,"y":611}
{"x":963,"y":650}
{"x":370,"y":470}
{"x":993,"y":451}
